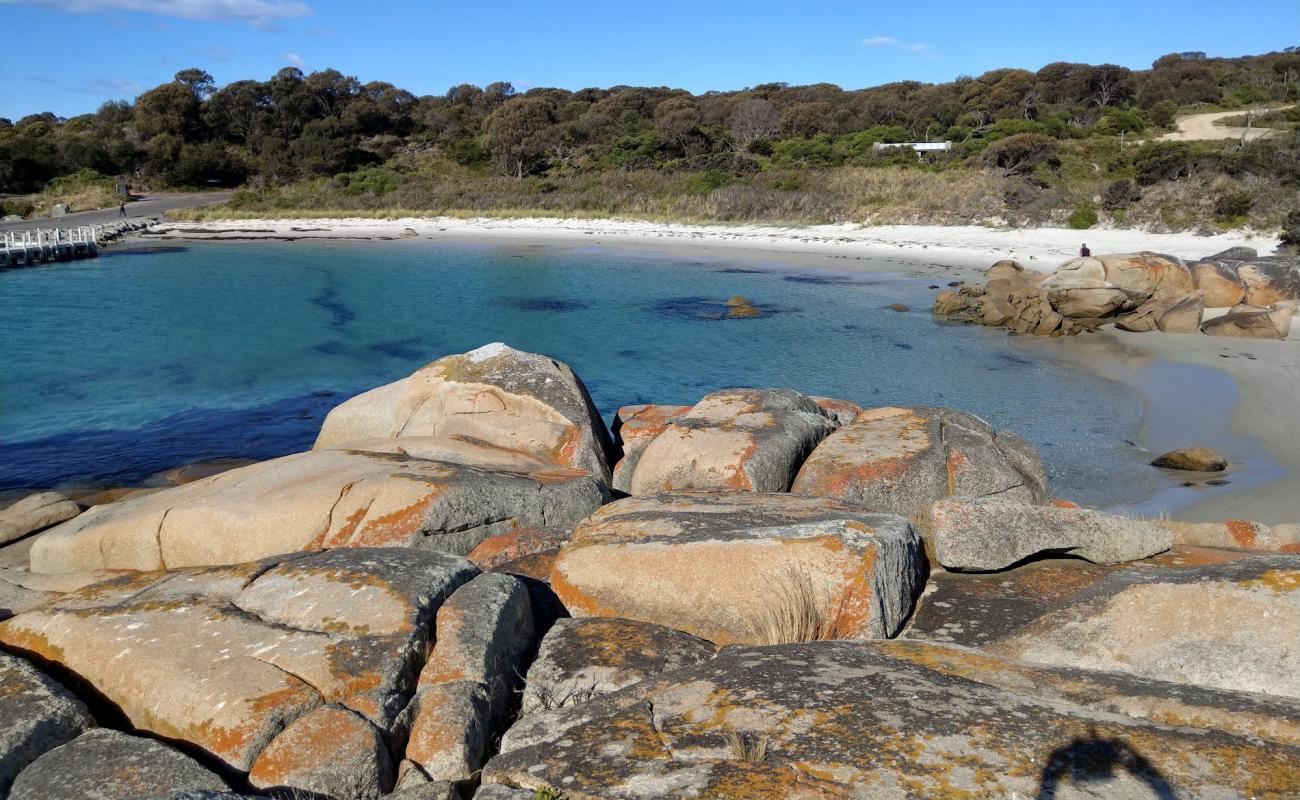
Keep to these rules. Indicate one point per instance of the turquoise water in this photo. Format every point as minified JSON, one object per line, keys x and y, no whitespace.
{"x":119,"y":367}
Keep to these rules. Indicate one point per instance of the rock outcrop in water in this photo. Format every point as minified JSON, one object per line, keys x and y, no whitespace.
{"x":802,"y":598}
{"x":1136,"y":292}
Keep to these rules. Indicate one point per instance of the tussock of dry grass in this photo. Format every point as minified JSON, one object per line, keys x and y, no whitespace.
{"x":746,"y":745}
{"x":794,"y":611}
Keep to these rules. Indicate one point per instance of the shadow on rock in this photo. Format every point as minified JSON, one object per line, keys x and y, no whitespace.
{"x":1096,"y":760}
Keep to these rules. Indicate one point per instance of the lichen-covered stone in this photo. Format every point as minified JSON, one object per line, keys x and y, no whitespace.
{"x":582,"y":658}
{"x":842,"y":411}
{"x":743,"y":567}
{"x":989,"y":534}
{"x":484,"y":633}
{"x":523,"y":551}
{"x":733,"y":440}
{"x":319,"y":500}
{"x":635,"y":427}
{"x":450,"y":730}
{"x":899,"y":460}
{"x":38,"y":714}
{"x":506,"y":397}
{"x":330,"y":750}
{"x":1233,"y":624}
{"x":1250,"y":322}
{"x":1196,"y":459}
{"x":224,"y":658}
{"x":104,"y":764}
{"x":899,"y":720}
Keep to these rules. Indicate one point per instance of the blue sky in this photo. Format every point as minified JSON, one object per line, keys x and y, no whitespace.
{"x":95,"y":50}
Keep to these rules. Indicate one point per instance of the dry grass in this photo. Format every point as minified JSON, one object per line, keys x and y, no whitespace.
{"x":747,"y":745}
{"x":795,"y":612}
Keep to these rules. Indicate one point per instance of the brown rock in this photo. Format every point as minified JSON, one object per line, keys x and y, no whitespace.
{"x":991,"y":534}
{"x":635,"y":427}
{"x":743,"y":567}
{"x":330,"y":750}
{"x":1006,"y":269}
{"x":734,"y":439}
{"x":1219,"y":284}
{"x":899,"y":460}
{"x":1145,"y":276}
{"x":33,"y":513}
{"x":39,"y":715}
{"x":1232,"y":625}
{"x":450,"y":730}
{"x":318,"y":500}
{"x":583,"y":658}
{"x":525,"y":551}
{"x":1269,"y":283}
{"x":842,"y":411}
{"x":1196,"y":459}
{"x":1233,"y":533}
{"x":505,"y":397}
{"x":898,"y":307}
{"x":900,"y":719}
{"x":1252,"y":324}
{"x":949,"y":302}
{"x":224,"y":658}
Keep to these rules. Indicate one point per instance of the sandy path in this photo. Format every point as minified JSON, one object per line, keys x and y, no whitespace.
{"x":1199,"y":127}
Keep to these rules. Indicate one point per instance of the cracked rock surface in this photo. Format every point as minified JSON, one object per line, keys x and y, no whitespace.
{"x":900,"y":720}
{"x":229,"y":659}
{"x":899,"y":460}
{"x":319,"y":500}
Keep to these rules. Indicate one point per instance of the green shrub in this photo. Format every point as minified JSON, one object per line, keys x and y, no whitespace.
{"x":706,"y":182}
{"x":1232,"y":204}
{"x":1083,"y":217}
{"x":1120,"y":195}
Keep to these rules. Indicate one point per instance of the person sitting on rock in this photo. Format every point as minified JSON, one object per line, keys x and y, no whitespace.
{"x":1084,"y":252}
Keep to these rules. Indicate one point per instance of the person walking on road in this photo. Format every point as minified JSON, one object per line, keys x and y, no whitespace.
{"x":121,"y":210}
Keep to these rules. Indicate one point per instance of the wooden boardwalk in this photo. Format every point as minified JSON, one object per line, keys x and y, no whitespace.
{"x":44,"y":246}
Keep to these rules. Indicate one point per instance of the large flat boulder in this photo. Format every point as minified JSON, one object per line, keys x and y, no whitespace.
{"x":506,"y":397}
{"x":743,"y":567}
{"x":991,"y":534}
{"x":734,"y":440}
{"x":585,"y":657}
{"x":1250,"y":322}
{"x":1269,"y":282}
{"x":1233,"y":625}
{"x":35,"y":512}
{"x":104,"y":764}
{"x":224,"y":658}
{"x":1235,"y":533}
{"x":38,"y":715}
{"x":899,"y":460}
{"x":319,"y":500}
{"x":1219,"y":283}
{"x":1145,"y":276}
{"x":635,"y":427}
{"x":900,"y":720}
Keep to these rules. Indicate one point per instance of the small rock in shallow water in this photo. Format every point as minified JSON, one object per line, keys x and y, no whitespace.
{"x":1194,"y":459}
{"x":898,"y":307}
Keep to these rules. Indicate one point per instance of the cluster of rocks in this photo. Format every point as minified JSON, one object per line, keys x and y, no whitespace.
{"x":469,"y":587}
{"x":1136,"y":292}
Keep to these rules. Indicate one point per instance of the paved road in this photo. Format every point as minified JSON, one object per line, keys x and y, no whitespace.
{"x":151,"y":205}
{"x":1197,"y":127}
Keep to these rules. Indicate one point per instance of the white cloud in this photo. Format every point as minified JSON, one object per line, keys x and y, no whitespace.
{"x":890,"y":41}
{"x":296,"y":60}
{"x":261,"y":13}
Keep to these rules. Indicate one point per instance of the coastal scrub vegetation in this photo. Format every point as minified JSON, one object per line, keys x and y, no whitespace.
{"x":1069,"y":144}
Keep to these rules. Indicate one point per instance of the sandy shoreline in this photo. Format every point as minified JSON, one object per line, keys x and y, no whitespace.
{"x":965,"y":247}
{"x":1241,"y":396}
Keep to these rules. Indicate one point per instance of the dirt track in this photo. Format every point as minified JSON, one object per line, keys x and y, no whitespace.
{"x":1196,"y":127}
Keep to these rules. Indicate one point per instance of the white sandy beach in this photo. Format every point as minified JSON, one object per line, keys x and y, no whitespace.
{"x":969,"y":246}
{"x":1261,"y":423}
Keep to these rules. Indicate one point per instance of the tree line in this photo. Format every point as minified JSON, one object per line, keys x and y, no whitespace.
{"x":295,"y":126}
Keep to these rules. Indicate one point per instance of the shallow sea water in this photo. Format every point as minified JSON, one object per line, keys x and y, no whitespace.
{"x":148,"y":358}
